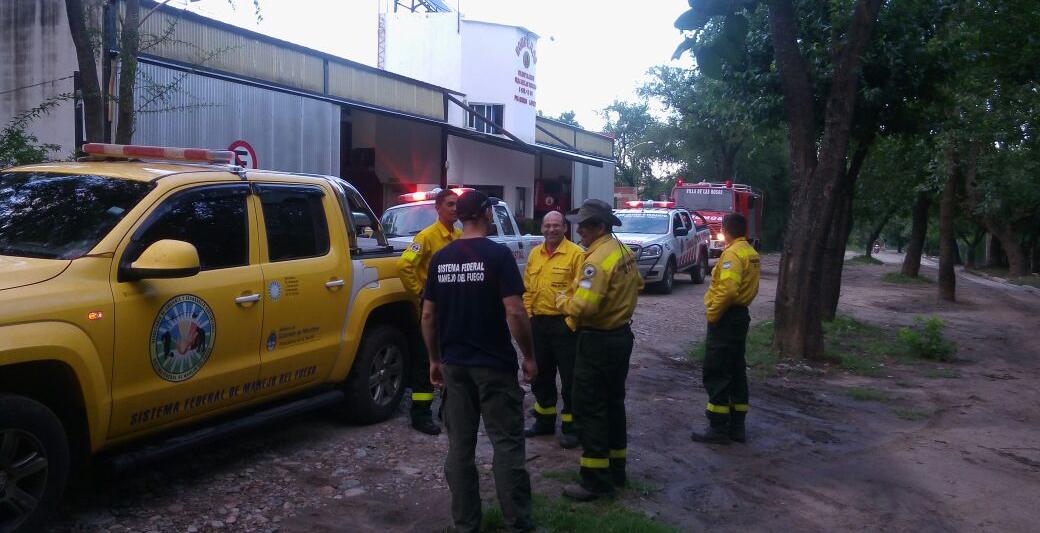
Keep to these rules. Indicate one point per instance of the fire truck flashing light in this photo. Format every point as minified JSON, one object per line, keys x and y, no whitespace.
{"x":647,"y":203}
{"x":126,"y":151}
{"x":428,"y":195}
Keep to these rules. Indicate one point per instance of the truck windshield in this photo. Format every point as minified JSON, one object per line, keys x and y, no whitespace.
{"x":409,"y":220}
{"x":61,"y":216}
{"x":636,"y":222}
{"x":704,"y":199}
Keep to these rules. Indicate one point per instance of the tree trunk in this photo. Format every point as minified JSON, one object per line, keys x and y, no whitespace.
{"x":956,"y":250}
{"x":875,"y":231}
{"x":994,"y":252}
{"x":129,"y":44}
{"x":947,"y":277}
{"x":840,"y":229}
{"x":1036,"y":252}
{"x":93,"y":100}
{"x":797,"y":311}
{"x":912,"y":259}
{"x":1017,"y":258}
{"x":834,"y":257}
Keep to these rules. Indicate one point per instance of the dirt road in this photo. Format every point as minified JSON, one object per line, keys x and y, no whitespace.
{"x":817,"y":460}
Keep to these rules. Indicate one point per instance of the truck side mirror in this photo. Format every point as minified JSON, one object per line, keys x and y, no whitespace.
{"x":682,"y":231}
{"x":163,"y":259}
{"x":751,"y":202}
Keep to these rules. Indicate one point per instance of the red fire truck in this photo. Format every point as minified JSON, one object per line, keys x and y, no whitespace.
{"x":715,"y":200}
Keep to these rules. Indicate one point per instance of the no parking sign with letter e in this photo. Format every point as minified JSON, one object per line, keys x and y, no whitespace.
{"x":245,"y":156}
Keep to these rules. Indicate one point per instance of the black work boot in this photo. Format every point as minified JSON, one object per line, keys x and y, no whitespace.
{"x":717,"y":431}
{"x":579,"y":493}
{"x":736,"y":426}
{"x":569,"y":440}
{"x":543,"y":425}
{"x":539,"y":428}
{"x":425,"y":424}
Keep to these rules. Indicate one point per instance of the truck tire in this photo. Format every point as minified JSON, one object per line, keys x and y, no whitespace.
{"x":376,"y":382}
{"x":700,"y":271}
{"x":668,"y":280}
{"x":34,"y":463}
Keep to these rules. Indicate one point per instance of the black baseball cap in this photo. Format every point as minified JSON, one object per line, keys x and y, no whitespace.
{"x":473,"y":204}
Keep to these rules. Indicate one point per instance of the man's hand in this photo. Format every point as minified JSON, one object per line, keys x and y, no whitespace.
{"x":436,"y":375}
{"x":530,"y":369}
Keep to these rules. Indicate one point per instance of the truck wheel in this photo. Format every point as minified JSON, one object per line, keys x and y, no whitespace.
{"x":376,"y":382}
{"x":699,"y":272}
{"x":668,"y":281}
{"x":34,"y":463}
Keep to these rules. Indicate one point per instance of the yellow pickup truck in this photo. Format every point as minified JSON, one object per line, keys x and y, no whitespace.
{"x":146,"y":291}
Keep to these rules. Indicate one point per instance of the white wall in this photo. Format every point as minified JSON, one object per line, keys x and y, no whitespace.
{"x":476,"y":163}
{"x":491,"y":68}
{"x":593,"y":182}
{"x":288,"y":132}
{"x":425,"y":46}
{"x":36,"y":50}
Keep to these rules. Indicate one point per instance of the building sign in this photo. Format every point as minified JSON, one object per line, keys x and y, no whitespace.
{"x":245,"y":156}
{"x":527,"y":58}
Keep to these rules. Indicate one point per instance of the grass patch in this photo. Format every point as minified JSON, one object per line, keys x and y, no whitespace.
{"x":858,"y":347}
{"x":861,"y":394}
{"x":697,"y":352}
{"x":909,"y":414}
{"x":899,"y":278}
{"x":559,"y":515}
{"x":1032,"y":281}
{"x":943,"y":373}
{"x":642,"y":488}
{"x":1002,"y":273}
{"x":865,"y":260}
{"x":925,"y":339}
{"x":905,"y":384}
{"x":566,"y":476}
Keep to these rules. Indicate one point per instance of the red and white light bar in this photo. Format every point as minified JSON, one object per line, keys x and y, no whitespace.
{"x":201,"y":155}
{"x":428,"y":195}
{"x":648,"y":203}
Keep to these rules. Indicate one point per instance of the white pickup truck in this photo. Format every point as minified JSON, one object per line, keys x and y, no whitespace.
{"x":666,"y":239}
{"x":402,"y":222}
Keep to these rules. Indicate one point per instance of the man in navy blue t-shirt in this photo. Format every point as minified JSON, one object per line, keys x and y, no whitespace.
{"x":472,"y":302}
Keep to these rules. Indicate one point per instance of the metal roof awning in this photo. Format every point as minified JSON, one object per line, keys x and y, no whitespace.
{"x":567,"y":154}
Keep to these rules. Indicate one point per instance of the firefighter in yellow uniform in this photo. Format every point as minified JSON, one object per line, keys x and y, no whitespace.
{"x":734,"y":284}
{"x":551,"y":268}
{"x":412,"y":267}
{"x":600,"y":309}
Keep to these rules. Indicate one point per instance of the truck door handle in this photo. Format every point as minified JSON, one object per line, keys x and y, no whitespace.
{"x":247,"y":299}
{"x":521,"y":243}
{"x":334,"y":283}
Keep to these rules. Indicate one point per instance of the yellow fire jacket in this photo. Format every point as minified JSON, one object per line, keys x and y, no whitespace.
{"x":734,"y":280}
{"x":604,"y":292}
{"x":548,"y":275}
{"x":416,"y":259}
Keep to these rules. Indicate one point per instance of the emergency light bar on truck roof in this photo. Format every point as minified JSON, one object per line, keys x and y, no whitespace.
{"x":428,"y":195}
{"x":648,"y":203}
{"x":127,"y":151}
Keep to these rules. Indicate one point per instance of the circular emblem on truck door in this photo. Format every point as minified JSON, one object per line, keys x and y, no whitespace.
{"x":182,"y":337}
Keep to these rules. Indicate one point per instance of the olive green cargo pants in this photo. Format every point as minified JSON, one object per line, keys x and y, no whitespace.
{"x":600,"y":371}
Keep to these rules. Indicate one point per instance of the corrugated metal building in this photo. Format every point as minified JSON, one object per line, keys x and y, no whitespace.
{"x":287,"y":107}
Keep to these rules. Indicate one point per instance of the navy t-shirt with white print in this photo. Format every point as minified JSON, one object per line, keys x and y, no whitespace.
{"x":468,"y":280}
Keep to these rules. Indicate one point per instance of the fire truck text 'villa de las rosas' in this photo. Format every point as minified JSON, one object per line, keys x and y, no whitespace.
{"x":715,"y":200}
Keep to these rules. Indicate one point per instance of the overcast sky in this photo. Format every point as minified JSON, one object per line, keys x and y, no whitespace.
{"x":590,"y":52}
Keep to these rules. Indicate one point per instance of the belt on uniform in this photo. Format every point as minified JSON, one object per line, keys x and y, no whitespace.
{"x":626,"y":327}
{"x":547,"y":317}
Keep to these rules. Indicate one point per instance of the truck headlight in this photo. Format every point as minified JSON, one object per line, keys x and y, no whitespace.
{"x":650,"y":252}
